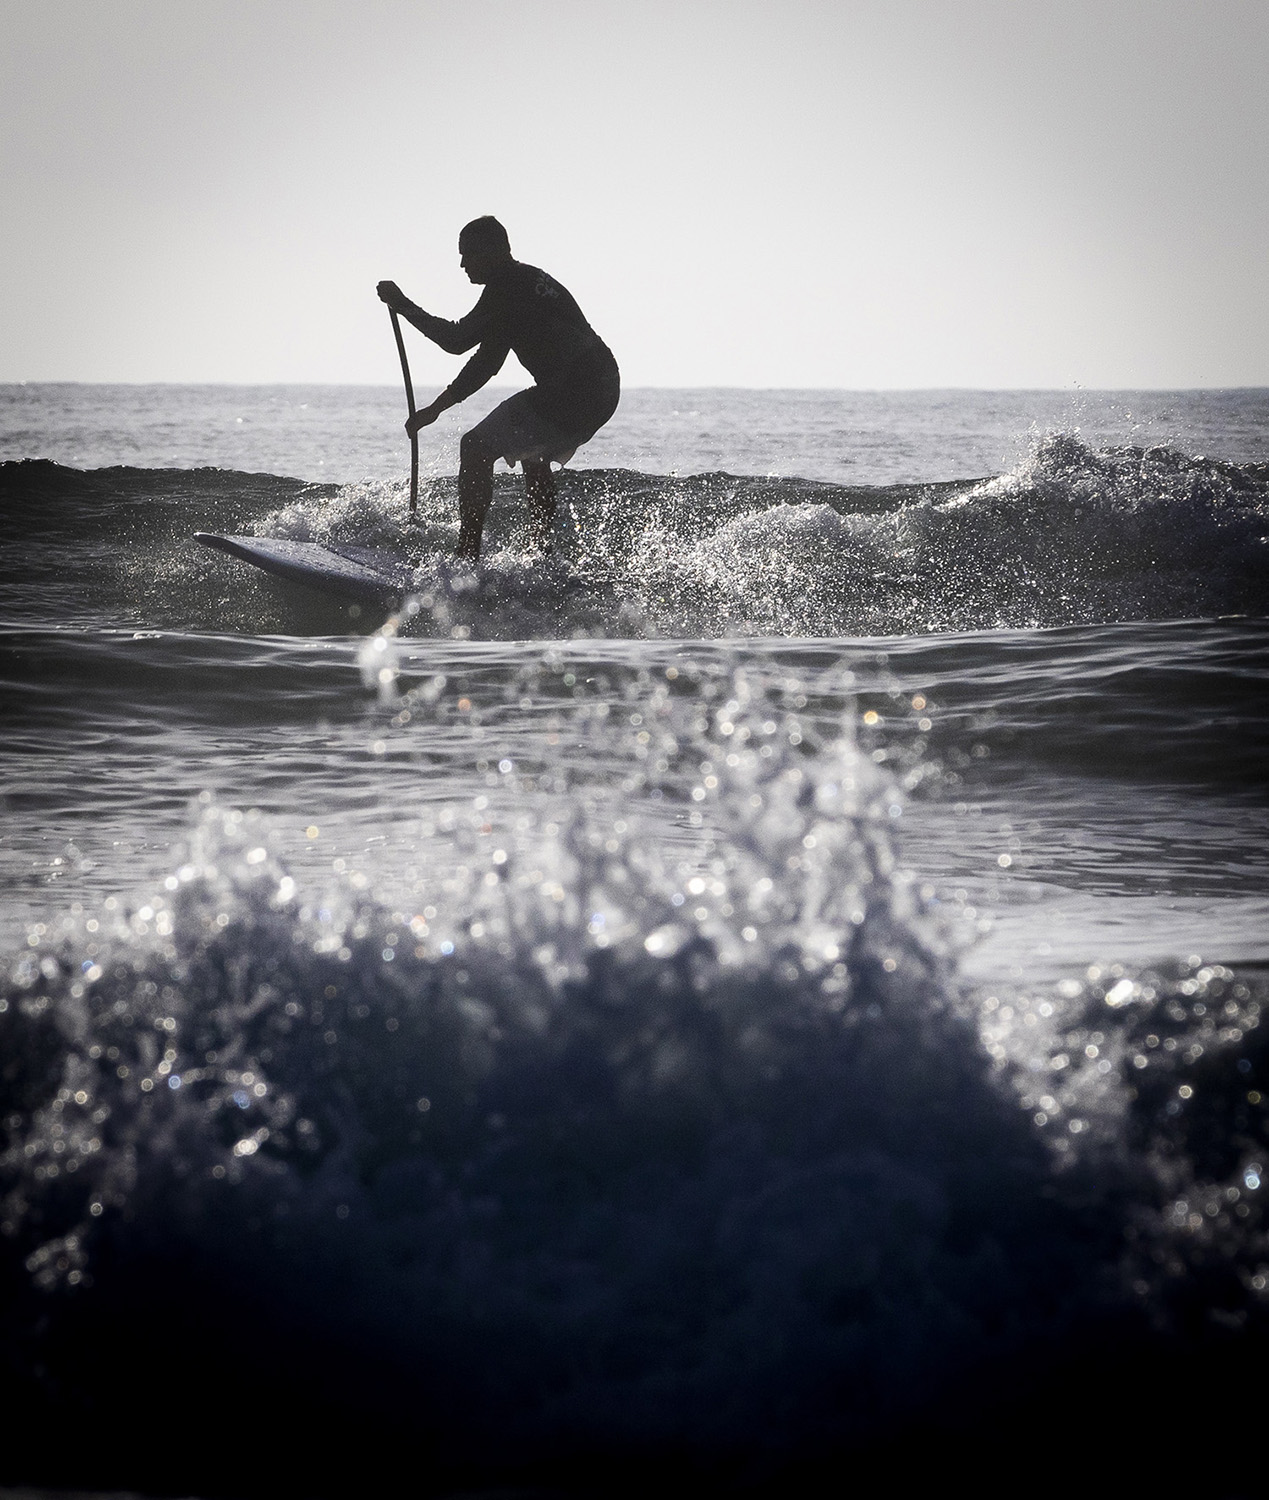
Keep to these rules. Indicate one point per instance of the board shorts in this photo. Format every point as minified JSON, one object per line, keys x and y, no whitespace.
{"x":550,"y":423}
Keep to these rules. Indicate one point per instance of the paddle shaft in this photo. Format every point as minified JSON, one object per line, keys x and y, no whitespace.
{"x":409,"y":401}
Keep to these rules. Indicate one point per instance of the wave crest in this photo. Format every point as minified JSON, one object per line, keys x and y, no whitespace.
{"x":1073,"y":535}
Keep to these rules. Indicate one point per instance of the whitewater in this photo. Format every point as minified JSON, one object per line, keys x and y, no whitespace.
{"x":779,"y":984}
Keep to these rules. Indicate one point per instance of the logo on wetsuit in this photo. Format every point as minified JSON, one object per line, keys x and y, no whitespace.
{"x":545,"y":286}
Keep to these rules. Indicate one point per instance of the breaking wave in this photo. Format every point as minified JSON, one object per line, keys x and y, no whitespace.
{"x":1072,"y":536}
{"x":601,"y":1148}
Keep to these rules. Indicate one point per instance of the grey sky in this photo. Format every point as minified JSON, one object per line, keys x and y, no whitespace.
{"x":869,"y":195}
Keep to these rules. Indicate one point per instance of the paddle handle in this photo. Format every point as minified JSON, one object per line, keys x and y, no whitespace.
{"x":409,"y":401}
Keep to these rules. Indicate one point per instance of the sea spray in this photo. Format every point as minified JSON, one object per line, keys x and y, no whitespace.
{"x":1071,"y":535}
{"x":687,"y":1123}
{"x":703,"y":1138}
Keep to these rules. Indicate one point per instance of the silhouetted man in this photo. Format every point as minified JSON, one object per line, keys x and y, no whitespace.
{"x":526,"y":312}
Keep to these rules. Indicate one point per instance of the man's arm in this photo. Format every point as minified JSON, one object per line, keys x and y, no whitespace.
{"x":482,"y":366}
{"x":454,"y":338}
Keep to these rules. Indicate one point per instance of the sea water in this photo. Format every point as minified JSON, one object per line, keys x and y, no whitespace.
{"x":777,"y":982}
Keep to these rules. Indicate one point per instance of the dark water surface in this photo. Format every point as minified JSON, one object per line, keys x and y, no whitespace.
{"x":778,"y":985}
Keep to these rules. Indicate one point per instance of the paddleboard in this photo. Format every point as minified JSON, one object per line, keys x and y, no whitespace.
{"x":366,"y":575}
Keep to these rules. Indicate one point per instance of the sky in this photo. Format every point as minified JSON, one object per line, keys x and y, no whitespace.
{"x":899,"y":194}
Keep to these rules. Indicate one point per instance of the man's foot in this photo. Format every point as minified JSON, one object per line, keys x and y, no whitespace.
{"x":468,"y":549}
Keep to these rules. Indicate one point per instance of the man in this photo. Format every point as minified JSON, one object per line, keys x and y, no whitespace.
{"x":526,"y":312}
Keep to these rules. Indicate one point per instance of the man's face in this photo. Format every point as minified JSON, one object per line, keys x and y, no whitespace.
{"x":477,"y":259}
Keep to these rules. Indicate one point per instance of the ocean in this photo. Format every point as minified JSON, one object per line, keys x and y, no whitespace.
{"x":776,"y":986}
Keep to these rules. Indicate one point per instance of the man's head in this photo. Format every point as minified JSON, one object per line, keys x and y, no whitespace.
{"x":483,"y":246}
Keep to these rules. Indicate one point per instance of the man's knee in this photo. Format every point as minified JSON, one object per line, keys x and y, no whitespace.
{"x":472,"y":453}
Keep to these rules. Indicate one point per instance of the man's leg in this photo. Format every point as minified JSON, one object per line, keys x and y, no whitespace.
{"x":539,"y":487}
{"x":475,"y":491}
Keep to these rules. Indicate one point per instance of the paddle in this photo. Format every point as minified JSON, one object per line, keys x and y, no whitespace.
{"x":409,"y":401}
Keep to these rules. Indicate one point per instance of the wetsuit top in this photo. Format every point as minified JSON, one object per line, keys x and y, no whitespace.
{"x":525,"y":311}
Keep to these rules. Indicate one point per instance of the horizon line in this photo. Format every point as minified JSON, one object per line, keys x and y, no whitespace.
{"x":860,"y":390}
